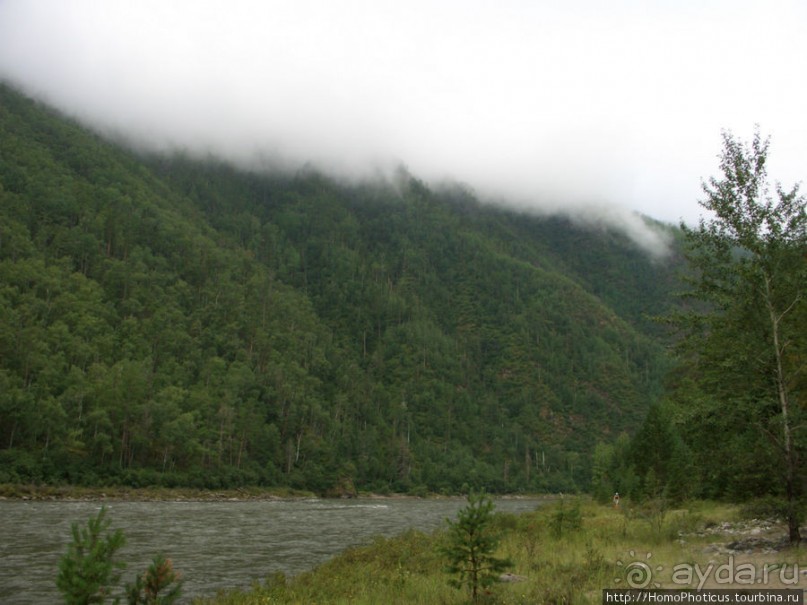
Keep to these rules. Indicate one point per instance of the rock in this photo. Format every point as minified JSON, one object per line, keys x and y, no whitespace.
{"x":511,"y":577}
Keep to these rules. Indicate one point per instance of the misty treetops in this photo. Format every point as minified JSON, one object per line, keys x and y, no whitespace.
{"x":167,"y":321}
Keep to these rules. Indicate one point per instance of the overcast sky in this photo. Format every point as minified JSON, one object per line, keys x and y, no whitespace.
{"x":606,"y":105}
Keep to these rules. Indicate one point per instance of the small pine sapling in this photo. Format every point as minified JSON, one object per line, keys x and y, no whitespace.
{"x":472,"y":543}
{"x":89,"y":571}
{"x":159,"y":585}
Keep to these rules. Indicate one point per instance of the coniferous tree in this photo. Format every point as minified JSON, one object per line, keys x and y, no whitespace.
{"x":658,"y":448}
{"x":159,"y":585}
{"x":472,"y":546}
{"x":89,"y":571}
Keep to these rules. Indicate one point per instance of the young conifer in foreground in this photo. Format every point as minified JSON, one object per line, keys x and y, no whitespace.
{"x":472,"y":543}
{"x":159,"y":585}
{"x":89,"y":572}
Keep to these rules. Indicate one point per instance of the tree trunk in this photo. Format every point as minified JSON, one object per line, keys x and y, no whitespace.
{"x":787,"y":439}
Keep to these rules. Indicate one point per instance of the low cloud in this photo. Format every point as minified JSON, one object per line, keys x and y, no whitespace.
{"x":588,"y":112}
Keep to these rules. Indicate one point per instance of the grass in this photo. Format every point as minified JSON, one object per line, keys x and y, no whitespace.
{"x":566,"y":552}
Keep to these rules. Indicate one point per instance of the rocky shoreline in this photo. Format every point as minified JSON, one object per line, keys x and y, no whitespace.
{"x":74,"y":493}
{"x":753,"y":536}
{"x":161,"y":494}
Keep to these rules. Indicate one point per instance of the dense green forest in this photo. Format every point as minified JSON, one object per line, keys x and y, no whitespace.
{"x":173,"y":320}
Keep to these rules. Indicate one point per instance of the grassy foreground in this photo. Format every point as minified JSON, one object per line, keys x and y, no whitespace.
{"x":566,"y":552}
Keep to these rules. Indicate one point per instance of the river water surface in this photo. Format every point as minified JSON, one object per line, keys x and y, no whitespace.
{"x":215,"y":545}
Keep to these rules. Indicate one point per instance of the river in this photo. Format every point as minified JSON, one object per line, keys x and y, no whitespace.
{"x":215,"y":545}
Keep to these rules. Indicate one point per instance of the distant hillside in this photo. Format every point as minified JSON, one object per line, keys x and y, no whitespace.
{"x":166,"y":320}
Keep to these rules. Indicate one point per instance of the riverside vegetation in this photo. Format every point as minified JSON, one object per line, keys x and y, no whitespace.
{"x":566,"y":552}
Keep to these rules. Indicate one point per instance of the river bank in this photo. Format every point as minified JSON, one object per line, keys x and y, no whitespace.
{"x":76,"y":493}
{"x":215,"y":544}
{"x":563,"y":553}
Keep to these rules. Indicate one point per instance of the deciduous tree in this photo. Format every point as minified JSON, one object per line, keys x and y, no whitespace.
{"x":747,"y":335}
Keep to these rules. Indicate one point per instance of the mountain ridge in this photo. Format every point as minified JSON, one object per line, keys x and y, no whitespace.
{"x":174,"y":321}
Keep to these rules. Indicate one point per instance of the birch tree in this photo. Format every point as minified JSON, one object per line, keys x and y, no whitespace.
{"x":749,"y":261}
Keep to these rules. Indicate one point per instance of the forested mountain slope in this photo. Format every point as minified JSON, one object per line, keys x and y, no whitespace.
{"x":168,"y":320}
